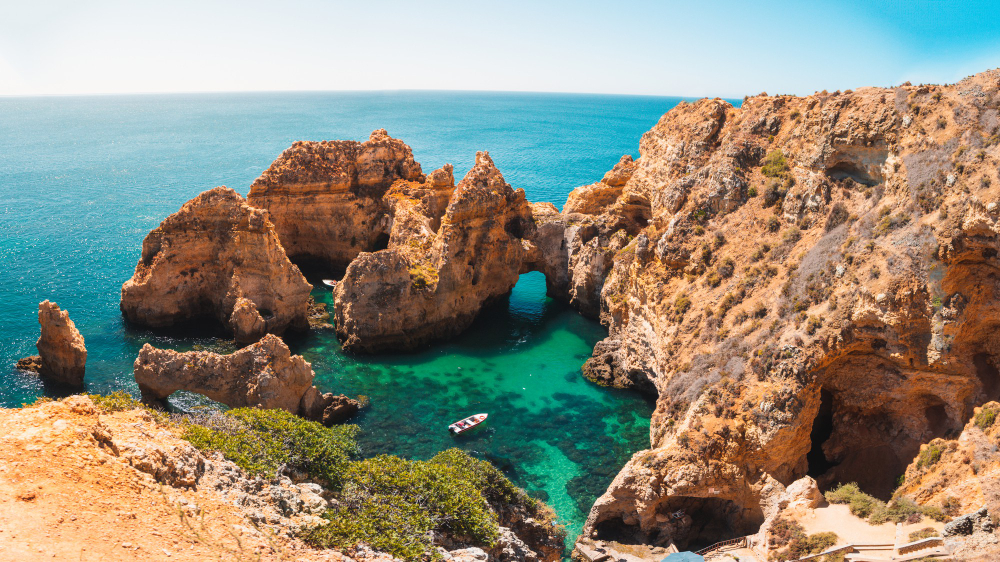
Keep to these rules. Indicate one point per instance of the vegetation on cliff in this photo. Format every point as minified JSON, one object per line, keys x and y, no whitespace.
{"x":389,"y":503}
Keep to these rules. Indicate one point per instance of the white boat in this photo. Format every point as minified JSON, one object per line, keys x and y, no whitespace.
{"x":332,"y":283}
{"x":468,"y":423}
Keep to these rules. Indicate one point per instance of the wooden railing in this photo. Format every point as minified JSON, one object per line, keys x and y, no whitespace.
{"x":740,"y":542}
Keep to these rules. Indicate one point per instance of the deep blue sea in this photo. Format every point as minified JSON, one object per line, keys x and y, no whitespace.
{"x":84,"y":179}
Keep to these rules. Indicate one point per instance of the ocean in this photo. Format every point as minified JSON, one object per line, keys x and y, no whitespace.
{"x":84,"y":179}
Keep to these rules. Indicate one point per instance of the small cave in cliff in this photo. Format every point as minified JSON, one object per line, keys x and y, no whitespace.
{"x":822,"y":430}
{"x":988,"y":375}
{"x":381,"y":242}
{"x":851,"y":444}
{"x":848,"y":170}
{"x":693,"y":523}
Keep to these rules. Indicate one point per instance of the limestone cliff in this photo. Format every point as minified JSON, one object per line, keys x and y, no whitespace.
{"x":807,"y":284}
{"x":262,"y":375}
{"x":62,"y":355}
{"x":325,"y":198}
{"x":451,"y":251}
{"x":220,"y":258}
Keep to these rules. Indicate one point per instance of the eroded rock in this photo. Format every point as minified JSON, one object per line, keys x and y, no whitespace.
{"x":220,"y":258}
{"x":62,"y":355}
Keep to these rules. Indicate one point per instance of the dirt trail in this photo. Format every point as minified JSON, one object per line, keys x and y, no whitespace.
{"x":66,"y":495}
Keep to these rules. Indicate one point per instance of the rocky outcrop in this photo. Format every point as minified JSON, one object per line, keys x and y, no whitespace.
{"x":326,"y":198}
{"x":62,"y":355}
{"x":263,"y":375}
{"x":443,"y":262}
{"x":219,"y":258}
{"x":808,"y":287}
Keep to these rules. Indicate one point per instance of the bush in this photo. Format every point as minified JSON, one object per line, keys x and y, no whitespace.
{"x":775,"y":165}
{"x":393,"y":505}
{"x":861,"y":504}
{"x":930,"y":454}
{"x":262,"y":441}
{"x":806,"y":546}
{"x":838,"y":216}
{"x":986,"y":416}
{"x":682,"y":303}
{"x":117,"y":401}
{"x":773,"y":193}
{"x":773,"y":224}
{"x":924,"y":533}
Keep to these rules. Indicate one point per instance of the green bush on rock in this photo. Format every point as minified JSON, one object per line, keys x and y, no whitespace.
{"x":389,"y":503}
{"x":262,"y":441}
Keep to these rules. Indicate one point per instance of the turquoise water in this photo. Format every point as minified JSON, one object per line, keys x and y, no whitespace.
{"x":84,"y":179}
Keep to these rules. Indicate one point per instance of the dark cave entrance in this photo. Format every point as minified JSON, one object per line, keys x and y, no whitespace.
{"x":987,"y":374}
{"x":865,"y":451}
{"x":848,"y":170}
{"x":822,"y":430}
{"x":617,"y":530}
{"x":381,"y":242}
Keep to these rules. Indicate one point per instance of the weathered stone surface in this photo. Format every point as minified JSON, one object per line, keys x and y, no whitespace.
{"x":264,"y":375}
{"x":823,"y":310}
{"x":443,"y":263}
{"x":31,"y":364}
{"x":325,"y":198}
{"x":219,"y":258}
{"x":61,"y":350}
{"x":967,"y":524}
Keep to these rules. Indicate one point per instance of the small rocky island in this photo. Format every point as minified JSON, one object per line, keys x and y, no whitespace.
{"x":807,"y":286}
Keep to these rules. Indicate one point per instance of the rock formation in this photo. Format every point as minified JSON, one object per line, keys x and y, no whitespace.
{"x":325,"y":198}
{"x":62,"y":355}
{"x":263,"y":375}
{"x":451,"y":251}
{"x":807,"y":285}
{"x":220,"y":258}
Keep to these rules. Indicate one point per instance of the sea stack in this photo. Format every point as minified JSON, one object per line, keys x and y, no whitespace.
{"x":62,"y":355}
{"x":219,"y":258}
{"x":451,"y":251}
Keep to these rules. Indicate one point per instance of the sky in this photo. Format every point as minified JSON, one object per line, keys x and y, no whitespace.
{"x":695,"y":48}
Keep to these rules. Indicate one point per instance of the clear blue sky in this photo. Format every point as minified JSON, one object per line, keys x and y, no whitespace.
{"x":695,"y":48}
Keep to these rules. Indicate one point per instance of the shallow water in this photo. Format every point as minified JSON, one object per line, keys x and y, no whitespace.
{"x":84,"y":179}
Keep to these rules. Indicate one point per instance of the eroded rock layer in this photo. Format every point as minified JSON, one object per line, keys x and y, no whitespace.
{"x":451,"y":250}
{"x":62,"y":355}
{"x":808,"y":285}
{"x":262,"y":375}
{"x":220,"y":258}
{"x":325,"y":198}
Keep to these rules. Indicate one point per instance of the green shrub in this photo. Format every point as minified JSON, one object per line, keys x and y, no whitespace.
{"x":775,"y":165}
{"x":117,"y":401}
{"x":260,"y":441}
{"x":861,"y":504}
{"x":930,"y":454}
{"x":986,"y":416}
{"x":393,"y":505}
{"x":806,"y":546}
{"x":682,"y":303}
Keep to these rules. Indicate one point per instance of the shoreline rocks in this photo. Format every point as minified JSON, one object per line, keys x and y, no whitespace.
{"x":220,"y":258}
{"x":262,"y":375}
{"x":62,"y":353}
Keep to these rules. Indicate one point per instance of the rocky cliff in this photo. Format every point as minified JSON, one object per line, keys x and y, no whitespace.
{"x":326,"y":198}
{"x":807,"y":284}
{"x":62,"y":355}
{"x":219,"y":258}
{"x":262,"y":375}
{"x":451,"y":251}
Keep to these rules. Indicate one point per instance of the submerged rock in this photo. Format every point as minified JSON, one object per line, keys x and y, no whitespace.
{"x":219,"y":258}
{"x":263,"y":375}
{"x":62,"y":355}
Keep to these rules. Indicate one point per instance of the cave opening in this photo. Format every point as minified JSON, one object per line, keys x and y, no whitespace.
{"x":615,"y":529}
{"x":381,"y":242}
{"x":697,"y":522}
{"x":822,"y":431}
{"x":937,"y":416}
{"x":852,"y":171}
{"x":988,"y":375}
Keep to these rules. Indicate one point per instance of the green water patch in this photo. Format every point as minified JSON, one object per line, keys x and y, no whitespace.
{"x":551,"y":431}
